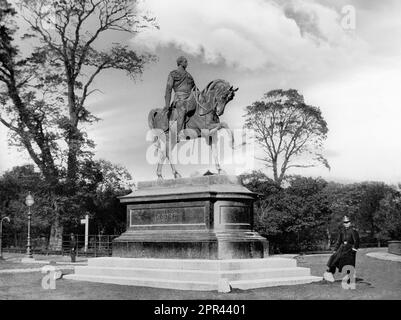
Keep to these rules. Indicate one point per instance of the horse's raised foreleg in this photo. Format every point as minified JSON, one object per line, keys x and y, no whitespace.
{"x":174,"y":170}
{"x":159,"y":168}
{"x":213,"y":132}
{"x":162,"y":157}
{"x":214,"y":128}
{"x":161,"y":146}
{"x":215,"y":154}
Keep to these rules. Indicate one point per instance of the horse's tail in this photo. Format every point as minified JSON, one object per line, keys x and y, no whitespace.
{"x":151,"y":118}
{"x":151,"y":123}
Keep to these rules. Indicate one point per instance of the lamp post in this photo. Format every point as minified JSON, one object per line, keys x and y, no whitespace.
{"x":1,"y":235}
{"x":29,"y":201}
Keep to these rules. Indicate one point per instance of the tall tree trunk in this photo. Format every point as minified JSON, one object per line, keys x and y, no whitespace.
{"x":275,"y":172}
{"x":73,"y":147}
{"x":328,"y":238}
{"x":73,"y":138}
{"x":372,"y":229}
{"x":56,"y":235}
{"x":56,"y":230}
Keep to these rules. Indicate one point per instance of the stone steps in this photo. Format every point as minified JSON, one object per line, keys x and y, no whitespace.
{"x":147,"y":282}
{"x":193,"y":284}
{"x":264,"y":283}
{"x":193,"y":264}
{"x":187,"y":274}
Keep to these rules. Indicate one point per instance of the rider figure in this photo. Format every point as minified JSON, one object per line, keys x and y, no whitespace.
{"x":182,"y":83}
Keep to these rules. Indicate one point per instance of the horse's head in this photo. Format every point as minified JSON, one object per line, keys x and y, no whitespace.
{"x":219,"y":93}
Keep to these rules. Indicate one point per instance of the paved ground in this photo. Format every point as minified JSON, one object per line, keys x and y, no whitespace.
{"x":376,"y":279}
{"x":385,"y":256}
{"x":16,"y":257}
{"x":4,"y":265}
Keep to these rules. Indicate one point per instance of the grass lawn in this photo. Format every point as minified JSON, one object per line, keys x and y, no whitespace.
{"x":14,"y":265}
{"x":376,"y":279}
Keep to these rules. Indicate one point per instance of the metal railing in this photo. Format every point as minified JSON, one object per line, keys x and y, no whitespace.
{"x":101,"y":245}
{"x":98,"y":245}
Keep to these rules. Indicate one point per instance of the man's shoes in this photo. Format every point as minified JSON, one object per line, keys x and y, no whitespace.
{"x":328,"y":276}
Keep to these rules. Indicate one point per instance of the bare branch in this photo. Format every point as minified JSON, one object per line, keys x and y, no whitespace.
{"x":300,"y":166}
{"x":8,"y":124}
{"x":89,"y":82}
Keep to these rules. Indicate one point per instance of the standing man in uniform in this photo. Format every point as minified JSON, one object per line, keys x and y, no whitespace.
{"x":345,"y":251}
{"x":182,"y":83}
{"x":73,"y":247}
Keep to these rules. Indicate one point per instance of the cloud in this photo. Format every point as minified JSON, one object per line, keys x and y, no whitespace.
{"x":251,"y":34}
{"x":307,"y":22}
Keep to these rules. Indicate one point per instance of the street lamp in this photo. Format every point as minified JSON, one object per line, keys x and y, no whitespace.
{"x":1,"y":235}
{"x":29,"y":201}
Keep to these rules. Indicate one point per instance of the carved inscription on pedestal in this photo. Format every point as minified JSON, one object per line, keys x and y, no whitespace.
{"x":157,"y":216}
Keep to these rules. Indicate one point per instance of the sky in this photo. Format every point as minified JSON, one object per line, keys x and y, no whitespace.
{"x":350,"y":69}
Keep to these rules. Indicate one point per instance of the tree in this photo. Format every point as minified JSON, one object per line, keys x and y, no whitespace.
{"x":116,"y":182}
{"x":366,"y":203}
{"x":373,"y":194}
{"x":305,"y":213}
{"x":292,"y":218}
{"x":14,"y":187}
{"x":43,"y":95}
{"x":286,"y":128}
{"x":68,"y":42}
{"x":100,"y":183}
{"x":260,"y":183}
{"x":30,"y":117}
{"x":388,"y":217}
{"x":344,"y":199}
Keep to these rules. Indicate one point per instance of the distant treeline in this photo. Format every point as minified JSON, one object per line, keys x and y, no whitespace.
{"x":305,"y":214}
{"x":98,"y":186}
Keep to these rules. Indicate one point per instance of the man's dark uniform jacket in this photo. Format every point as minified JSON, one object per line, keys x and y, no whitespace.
{"x":73,"y":245}
{"x":348,"y":239}
{"x":182,"y":83}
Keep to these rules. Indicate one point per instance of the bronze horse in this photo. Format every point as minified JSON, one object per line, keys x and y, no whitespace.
{"x":203,"y":109}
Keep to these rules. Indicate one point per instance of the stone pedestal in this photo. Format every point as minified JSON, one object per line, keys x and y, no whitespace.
{"x":394,"y":247}
{"x":209,"y":217}
{"x":192,"y":234}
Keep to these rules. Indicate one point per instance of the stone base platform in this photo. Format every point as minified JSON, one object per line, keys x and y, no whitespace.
{"x":394,"y":247}
{"x":384,"y":256}
{"x":194,"y":274}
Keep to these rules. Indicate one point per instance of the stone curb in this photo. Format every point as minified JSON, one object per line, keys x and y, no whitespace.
{"x":29,"y":270}
{"x":384,"y":256}
{"x":20,"y":270}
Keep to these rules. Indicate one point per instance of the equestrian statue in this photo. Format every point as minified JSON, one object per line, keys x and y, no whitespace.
{"x":191,"y":114}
